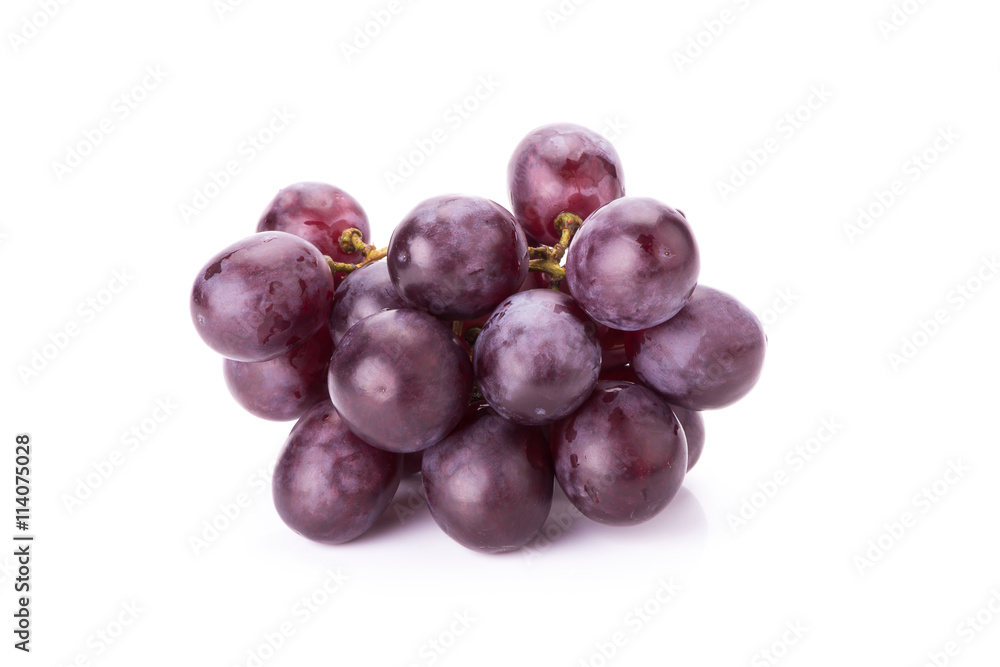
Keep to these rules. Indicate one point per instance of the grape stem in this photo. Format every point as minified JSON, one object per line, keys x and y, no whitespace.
{"x":351,"y":241}
{"x":547,"y":259}
{"x":542,"y":259}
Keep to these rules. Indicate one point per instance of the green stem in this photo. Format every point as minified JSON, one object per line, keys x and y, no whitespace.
{"x":546,"y":259}
{"x":543,"y":259}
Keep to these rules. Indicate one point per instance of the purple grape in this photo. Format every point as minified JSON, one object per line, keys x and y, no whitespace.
{"x":328,"y":485}
{"x":561,"y":168}
{"x":457,"y":257}
{"x":708,"y":356}
{"x":621,"y":457}
{"x":364,"y":292}
{"x":691,"y":421}
{"x":537,"y":358}
{"x":318,"y":213}
{"x":694,"y":432}
{"x":262,"y":296}
{"x":489,"y":483}
{"x":401,"y":380}
{"x":633,"y":264}
{"x":284,"y":387}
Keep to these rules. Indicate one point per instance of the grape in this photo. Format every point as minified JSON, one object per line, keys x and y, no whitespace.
{"x":561,"y":168}
{"x":694,"y":431}
{"x":489,"y":483}
{"x":633,"y":264}
{"x":457,"y":257}
{"x":708,"y":356}
{"x":328,"y":485}
{"x":318,"y":213}
{"x":400,"y":379}
{"x":284,"y":387}
{"x":262,"y":296}
{"x":537,"y":357}
{"x":691,"y":420}
{"x":621,"y":456}
{"x":364,"y":292}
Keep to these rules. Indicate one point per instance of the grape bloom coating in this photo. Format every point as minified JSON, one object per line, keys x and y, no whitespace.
{"x":633,"y":264}
{"x":284,"y":387}
{"x":537,"y":357}
{"x":329,"y":485}
{"x":262,"y":296}
{"x":708,"y":356}
{"x":401,"y":380}
{"x":363,"y":293}
{"x":622,"y":456}
{"x":489,"y":483}
{"x":457,"y":257}
{"x":318,"y":213}
{"x":561,"y":168}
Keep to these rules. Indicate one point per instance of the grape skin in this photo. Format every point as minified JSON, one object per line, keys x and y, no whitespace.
{"x":706,"y":357}
{"x":691,"y":421}
{"x":318,"y":213}
{"x":561,"y":168}
{"x":328,"y":485}
{"x":537,"y":357}
{"x":457,"y":257}
{"x":621,"y":457}
{"x":633,"y":264}
{"x":694,"y":431}
{"x":262,"y":296}
{"x":282,"y":388}
{"x":400,"y":379}
{"x":363,"y":293}
{"x":489,"y":483}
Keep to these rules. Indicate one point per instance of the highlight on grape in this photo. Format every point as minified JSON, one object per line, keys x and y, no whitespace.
{"x":494,"y":351}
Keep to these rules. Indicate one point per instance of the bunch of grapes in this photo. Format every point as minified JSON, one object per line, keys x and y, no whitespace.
{"x":491,"y":351}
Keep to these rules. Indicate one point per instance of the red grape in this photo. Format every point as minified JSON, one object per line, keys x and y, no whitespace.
{"x":633,"y":264}
{"x":318,"y":213}
{"x":284,"y":387}
{"x":621,"y":457}
{"x":457,"y":257}
{"x":262,"y":296}
{"x":707,"y":356}
{"x":489,"y":483}
{"x":364,"y":292}
{"x":328,"y":485}
{"x":400,"y":379}
{"x":537,"y":357}
{"x":561,"y":168}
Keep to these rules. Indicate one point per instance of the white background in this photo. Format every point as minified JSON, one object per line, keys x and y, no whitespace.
{"x":837,"y":305}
